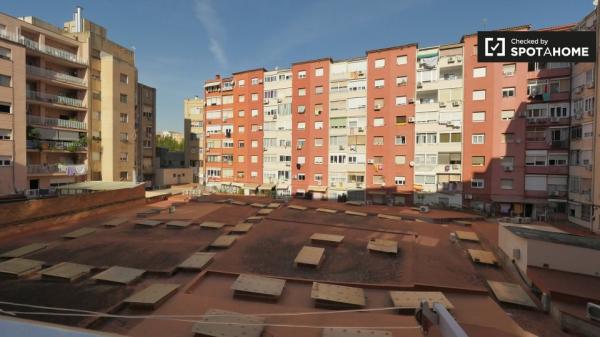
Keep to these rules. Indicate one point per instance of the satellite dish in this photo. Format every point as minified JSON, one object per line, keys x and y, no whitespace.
{"x":411,"y":164}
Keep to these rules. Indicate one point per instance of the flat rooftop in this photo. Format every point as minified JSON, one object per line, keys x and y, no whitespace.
{"x":427,"y":260}
{"x":556,"y":237}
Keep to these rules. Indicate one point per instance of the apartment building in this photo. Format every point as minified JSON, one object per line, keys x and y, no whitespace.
{"x":391,"y":88}
{"x":430,"y":126}
{"x":582,"y":141}
{"x":277,"y":131}
{"x":310,"y":127}
{"x":193,"y":114}
{"x":438,"y":126}
{"x":145,"y":126}
{"x":347,"y":129}
{"x":43,"y":95}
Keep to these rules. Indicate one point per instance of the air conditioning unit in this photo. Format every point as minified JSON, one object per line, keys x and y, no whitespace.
{"x":555,"y":193}
{"x":458,"y":59}
{"x":377,"y":107}
{"x":411,"y":101}
{"x":266,"y":102}
{"x":260,"y":81}
{"x":318,"y":112}
{"x":341,"y":147}
{"x":361,"y":129}
{"x":451,"y":60}
{"x":579,"y":89}
{"x":274,"y":116}
{"x":442,"y":104}
{"x":455,"y":103}
{"x":361,"y":74}
{"x":411,"y":119}
{"x":419,"y":85}
{"x":371,"y":161}
{"x":260,"y":128}
{"x":593,"y":311}
{"x":508,"y":168}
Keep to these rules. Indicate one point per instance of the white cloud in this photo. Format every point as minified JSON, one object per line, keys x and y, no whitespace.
{"x":207,"y":15}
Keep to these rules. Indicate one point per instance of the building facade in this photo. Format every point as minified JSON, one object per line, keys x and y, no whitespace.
{"x":68,"y":105}
{"x":410,"y":125}
{"x":145,"y":126}
{"x":193,"y":125}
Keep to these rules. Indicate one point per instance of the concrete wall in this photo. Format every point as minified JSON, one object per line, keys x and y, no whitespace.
{"x":173,"y":176}
{"x":13,"y":213}
{"x":507,"y":241}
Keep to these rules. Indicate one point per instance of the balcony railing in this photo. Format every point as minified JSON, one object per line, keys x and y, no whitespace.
{"x":71,"y":169}
{"x":31,"y":44}
{"x":61,"y":123}
{"x":56,"y":145}
{"x":54,"y":75}
{"x":55,"y":99}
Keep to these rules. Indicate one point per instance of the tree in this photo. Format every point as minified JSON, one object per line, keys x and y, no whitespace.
{"x":169,"y":143}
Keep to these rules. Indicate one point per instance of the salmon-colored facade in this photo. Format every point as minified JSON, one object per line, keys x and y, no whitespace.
{"x":310,"y":122}
{"x":396,"y":68}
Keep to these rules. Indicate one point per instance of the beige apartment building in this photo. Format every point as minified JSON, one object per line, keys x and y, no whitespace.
{"x":67,"y":105}
{"x":193,"y":114}
{"x":145,"y":124}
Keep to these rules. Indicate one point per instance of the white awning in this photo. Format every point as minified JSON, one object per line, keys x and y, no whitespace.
{"x":314,"y":188}
{"x":211,"y":84}
{"x":266,"y":187}
{"x":283,"y":186}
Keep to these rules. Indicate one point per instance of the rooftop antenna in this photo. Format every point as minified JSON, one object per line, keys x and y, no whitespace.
{"x":484,"y":21}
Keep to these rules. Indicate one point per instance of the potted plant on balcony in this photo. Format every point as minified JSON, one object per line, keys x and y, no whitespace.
{"x":33,"y":134}
{"x":81,"y":143}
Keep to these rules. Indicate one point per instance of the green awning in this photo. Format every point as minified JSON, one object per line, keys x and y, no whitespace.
{"x":427,"y":55}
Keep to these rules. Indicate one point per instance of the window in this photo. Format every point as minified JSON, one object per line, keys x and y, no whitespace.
{"x":254,"y":97}
{"x":379,"y":63}
{"x":318,"y":142}
{"x":123,"y":98}
{"x":478,"y":95}
{"x":241,"y":129}
{"x":378,"y":140}
{"x":301,"y":126}
{"x":318,"y":160}
{"x":402,"y":59}
{"x":478,"y":138}
{"x":318,"y":109}
{"x":254,"y":81}
{"x":241,"y":98}
{"x":302,"y":74}
{"x":301,"y":109}
{"x":254,"y":159}
{"x":509,"y":69}
{"x":378,"y":103}
{"x":124,"y":175}
{"x":378,"y":180}
{"x":124,"y":78}
{"x":301,"y":92}
{"x":559,"y":110}
{"x":506,"y":184}
{"x":241,"y":83}
{"x":401,"y":100}
{"x":301,"y":176}
{"x":124,"y":137}
{"x":124,"y":118}
{"x":427,"y":138}
{"x":5,"y":134}
{"x":379,"y":83}
{"x":399,"y":181}
{"x":401,"y":80}
{"x":479,"y":72}
{"x":400,"y":140}
{"x":400,"y":160}
{"x":508,"y":92}
{"x":477,"y":183}
{"x":254,"y":112}
{"x":450,"y":137}
{"x":254,"y":144}
{"x":558,"y":159}
{"x":6,"y":108}
{"x":318,"y":90}
{"x":478,"y":116}
{"x":5,"y":53}
{"x":319,"y":72}
{"x":507,"y":115}
{"x":124,"y":156}
{"x":535,"y":183}
{"x":508,"y":138}
{"x":318,"y":125}
{"x":400,"y":120}
{"x":318,"y":178}
{"x":478,"y":160}
{"x":536,"y":157}
{"x":424,"y":179}
{"x":378,"y":122}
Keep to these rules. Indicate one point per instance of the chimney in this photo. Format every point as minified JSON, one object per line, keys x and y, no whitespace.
{"x":218,"y":77}
{"x":78,"y":19}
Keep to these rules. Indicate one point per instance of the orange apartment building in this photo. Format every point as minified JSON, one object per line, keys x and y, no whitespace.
{"x":390,"y":124}
{"x":438,"y":128}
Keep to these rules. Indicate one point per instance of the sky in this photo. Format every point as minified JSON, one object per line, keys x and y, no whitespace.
{"x":181,"y":43}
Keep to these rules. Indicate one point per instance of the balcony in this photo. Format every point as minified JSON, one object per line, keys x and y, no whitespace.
{"x":449,"y":187}
{"x":55,"y":76}
{"x":31,"y":44}
{"x":54,"y":99}
{"x":56,"y":122}
{"x":48,"y":169}
{"x":56,"y":145}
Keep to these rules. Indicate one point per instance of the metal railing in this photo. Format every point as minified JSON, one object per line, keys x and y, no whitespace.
{"x":31,"y":44}
{"x":54,"y":75}
{"x":62,"y":123}
{"x":69,"y":169}
{"x":55,"y":145}
{"x":56,"y":99}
